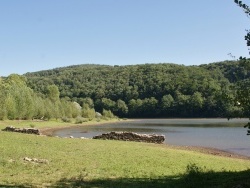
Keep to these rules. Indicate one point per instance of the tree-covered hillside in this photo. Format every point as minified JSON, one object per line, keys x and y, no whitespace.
{"x":149,"y":90}
{"x":232,"y":70}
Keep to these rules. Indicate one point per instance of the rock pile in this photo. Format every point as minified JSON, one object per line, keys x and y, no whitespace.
{"x":22,"y":130}
{"x":130,"y":136}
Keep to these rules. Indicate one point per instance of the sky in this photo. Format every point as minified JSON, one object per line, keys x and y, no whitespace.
{"x":45,"y":34}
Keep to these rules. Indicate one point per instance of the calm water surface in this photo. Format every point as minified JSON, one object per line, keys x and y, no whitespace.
{"x":216,"y":133}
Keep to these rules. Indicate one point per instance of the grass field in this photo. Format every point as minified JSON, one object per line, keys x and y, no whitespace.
{"x":97,"y":163}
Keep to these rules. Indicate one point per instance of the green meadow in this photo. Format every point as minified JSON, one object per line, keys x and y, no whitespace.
{"x":100,"y":163}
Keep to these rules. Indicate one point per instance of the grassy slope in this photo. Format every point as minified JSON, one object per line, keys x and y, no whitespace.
{"x":96,"y":163}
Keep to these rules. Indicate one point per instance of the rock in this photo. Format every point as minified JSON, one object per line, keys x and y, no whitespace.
{"x":130,"y":136}
{"x":35,"y":160}
{"x":22,"y":130}
{"x":27,"y":159}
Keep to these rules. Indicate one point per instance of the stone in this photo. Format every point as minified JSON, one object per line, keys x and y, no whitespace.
{"x":27,"y":159}
{"x":35,"y":160}
{"x":130,"y":136}
{"x":22,"y":130}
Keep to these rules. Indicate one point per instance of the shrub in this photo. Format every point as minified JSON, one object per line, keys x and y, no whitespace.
{"x":88,"y":113}
{"x":107,"y":114}
{"x":80,"y":120}
{"x":66,"y":119}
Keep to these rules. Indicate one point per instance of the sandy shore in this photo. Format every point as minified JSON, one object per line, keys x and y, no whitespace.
{"x":205,"y":150}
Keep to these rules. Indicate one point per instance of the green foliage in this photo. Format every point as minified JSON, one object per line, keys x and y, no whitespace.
{"x":18,"y":101}
{"x":53,"y":93}
{"x":121,"y":108}
{"x":86,"y":102}
{"x":66,"y":119}
{"x":88,"y":112}
{"x":150,"y":90}
{"x":243,"y":93}
{"x":107,"y":114}
{"x":80,"y":120}
{"x":242,"y":87}
{"x":75,"y":110}
{"x":108,"y":104}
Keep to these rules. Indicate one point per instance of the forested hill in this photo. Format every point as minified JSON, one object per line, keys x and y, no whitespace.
{"x":149,"y":90}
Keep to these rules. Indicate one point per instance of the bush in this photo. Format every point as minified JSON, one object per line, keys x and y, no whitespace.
{"x":107,"y":114}
{"x":88,"y":113}
{"x":66,"y":119}
{"x":80,"y":120}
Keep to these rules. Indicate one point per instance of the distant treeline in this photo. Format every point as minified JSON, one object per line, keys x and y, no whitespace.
{"x":149,"y":90}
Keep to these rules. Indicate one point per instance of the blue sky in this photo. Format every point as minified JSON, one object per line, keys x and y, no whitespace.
{"x":44,"y":34}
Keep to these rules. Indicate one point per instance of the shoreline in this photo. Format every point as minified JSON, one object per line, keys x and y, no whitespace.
{"x":206,"y":150}
{"x":48,"y":131}
{"x":210,"y":151}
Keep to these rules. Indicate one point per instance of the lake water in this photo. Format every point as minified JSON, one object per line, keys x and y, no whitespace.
{"x":215,"y":133}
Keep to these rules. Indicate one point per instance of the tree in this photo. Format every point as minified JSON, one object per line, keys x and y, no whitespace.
{"x":243,"y":87}
{"x":167,"y":104}
{"x":88,"y":110}
{"x":121,"y":108}
{"x":149,"y":107}
{"x":87,"y":101}
{"x":181,"y":102}
{"x":196,"y":102}
{"x":107,"y":114}
{"x":3,"y":110}
{"x":53,"y":93}
{"x":108,"y":104}
{"x":135,"y":107}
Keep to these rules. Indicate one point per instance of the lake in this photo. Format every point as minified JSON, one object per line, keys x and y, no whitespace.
{"x":215,"y":133}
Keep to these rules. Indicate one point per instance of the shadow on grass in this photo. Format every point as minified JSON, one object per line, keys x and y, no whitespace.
{"x":12,"y":186}
{"x":195,"y":177}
